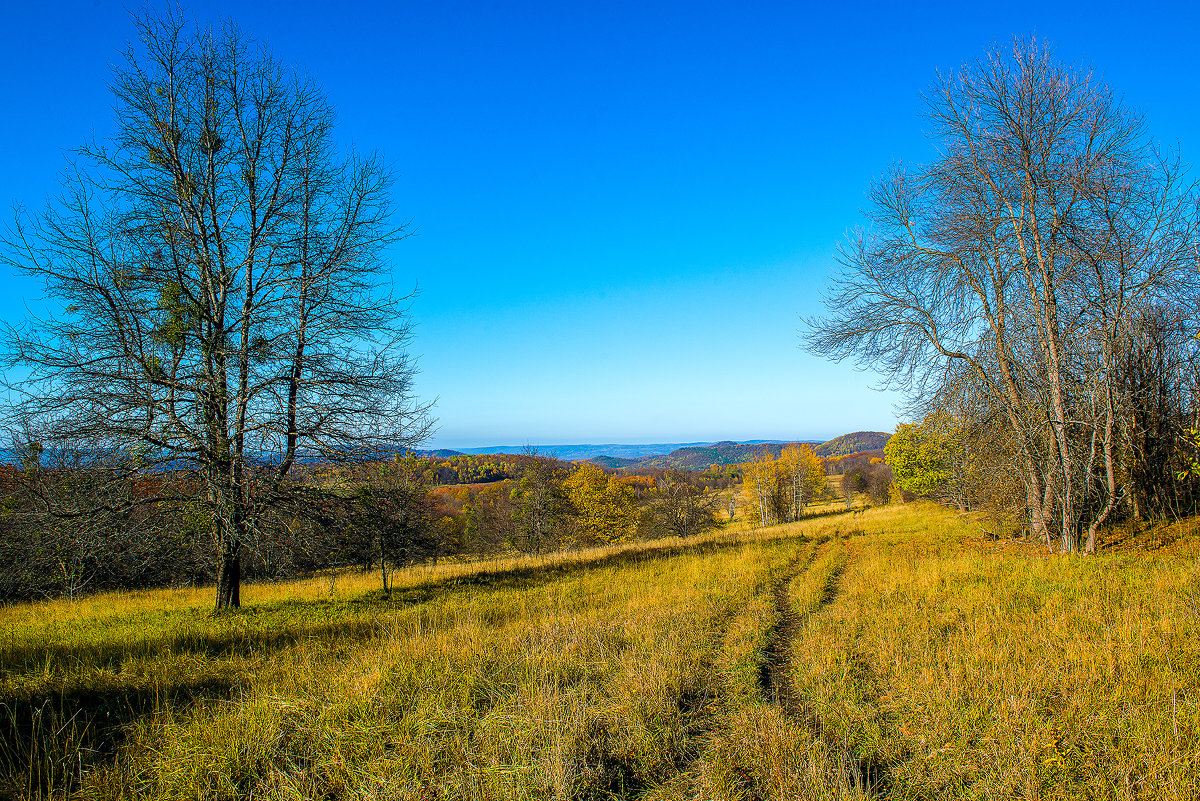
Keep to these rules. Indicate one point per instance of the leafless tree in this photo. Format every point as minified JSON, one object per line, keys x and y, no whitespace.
{"x":1158,"y":386}
{"x":852,"y":484}
{"x":540,"y":505}
{"x":1015,"y":259}
{"x":221,"y":274}
{"x":682,"y":507}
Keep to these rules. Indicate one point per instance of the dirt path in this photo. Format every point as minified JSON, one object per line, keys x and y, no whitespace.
{"x":870,"y":777}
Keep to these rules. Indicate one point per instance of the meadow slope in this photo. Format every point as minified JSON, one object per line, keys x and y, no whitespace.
{"x":891,"y":653}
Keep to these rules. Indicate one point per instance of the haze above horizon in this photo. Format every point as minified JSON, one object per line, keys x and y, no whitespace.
{"x":623,"y":214}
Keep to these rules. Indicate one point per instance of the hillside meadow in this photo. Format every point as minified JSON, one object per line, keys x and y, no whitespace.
{"x":886,"y":653}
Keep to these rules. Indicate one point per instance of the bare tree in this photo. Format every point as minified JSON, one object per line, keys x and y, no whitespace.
{"x":540,"y":505}
{"x":1158,"y":386}
{"x":1012,"y":262}
{"x":397,"y":510}
{"x":220,"y":269}
{"x":682,"y":507}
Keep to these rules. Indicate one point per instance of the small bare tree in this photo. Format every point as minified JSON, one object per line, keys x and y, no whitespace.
{"x":220,"y":270}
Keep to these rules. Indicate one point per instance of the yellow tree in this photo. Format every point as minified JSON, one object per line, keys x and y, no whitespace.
{"x":804,"y":475}
{"x":759,"y":485}
{"x":776,"y":490}
{"x":604,"y":506}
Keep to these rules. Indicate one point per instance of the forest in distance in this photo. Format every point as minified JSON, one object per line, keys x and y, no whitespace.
{"x":724,"y":452}
{"x":391,"y":513}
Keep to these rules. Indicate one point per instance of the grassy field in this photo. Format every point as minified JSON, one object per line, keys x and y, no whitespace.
{"x":890,"y":653}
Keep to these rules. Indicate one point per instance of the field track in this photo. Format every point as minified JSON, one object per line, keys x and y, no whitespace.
{"x":891,"y":653}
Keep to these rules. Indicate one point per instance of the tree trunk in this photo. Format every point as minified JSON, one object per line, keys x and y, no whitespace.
{"x":383,"y":566}
{"x":229,"y":587}
{"x":235,"y":578}
{"x":1110,"y":476}
{"x":1038,"y":529}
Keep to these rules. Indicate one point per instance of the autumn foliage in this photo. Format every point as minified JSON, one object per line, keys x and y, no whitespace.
{"x":776,"y":490}
{"x":604,"y":506}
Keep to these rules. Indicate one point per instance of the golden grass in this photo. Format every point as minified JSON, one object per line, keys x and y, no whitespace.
{"x":937,"y":666}
{"x":887,"y":653}
{"x":574,"y":675}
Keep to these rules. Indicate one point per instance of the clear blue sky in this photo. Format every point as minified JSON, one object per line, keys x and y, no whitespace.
{"x":623,"y":209}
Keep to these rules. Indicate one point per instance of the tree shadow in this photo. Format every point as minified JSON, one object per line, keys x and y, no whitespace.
{"x":214,"y":644}
{"x":531,"y":576}
{"x":830,"y":513}
{"x":362,"y":613}
{"x":49,"y":741}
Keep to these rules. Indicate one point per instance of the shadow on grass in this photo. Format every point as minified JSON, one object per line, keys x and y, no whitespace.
{"x":48,"y":742}
{"x":360,"y":614}
{"x":530,"y":576}
{"x":214,"y":644}
{"x":833,"y":513}
{"x":281,"y":625}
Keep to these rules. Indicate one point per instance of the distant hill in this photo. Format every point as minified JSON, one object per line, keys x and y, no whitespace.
{"x":613,"y":462}
{"x":700,"y":457}
{"x":440,"y":453}
{"x":575,"y":453}
{"x":853,"y":443}
{"x":682,"y":456}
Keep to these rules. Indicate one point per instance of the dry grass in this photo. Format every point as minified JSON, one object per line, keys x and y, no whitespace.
{"x":925,"y":663}
{"x":574,"y":676}
{"x":887,"y":653}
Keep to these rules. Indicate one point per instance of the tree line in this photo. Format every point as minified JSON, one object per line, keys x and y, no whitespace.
{"x":1034,"y":290}
{"x":86,"y":522}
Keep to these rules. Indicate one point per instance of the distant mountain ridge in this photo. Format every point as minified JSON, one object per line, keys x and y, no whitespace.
{"x":703,"y":456}
{"x":680,"y":456}
{"x":437,"y":453}
{"x":856,"y":442}
{"x":581,"y":452}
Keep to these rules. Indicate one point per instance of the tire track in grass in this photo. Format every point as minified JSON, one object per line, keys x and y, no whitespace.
{"x":774,"y":675}
{"x":702,"y":696}
{"x":870,"y":776}
{"x":713,"y":691}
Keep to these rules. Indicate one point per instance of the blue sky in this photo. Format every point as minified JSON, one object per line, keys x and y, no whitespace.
{"x":623,"y":210}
